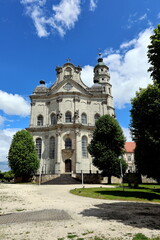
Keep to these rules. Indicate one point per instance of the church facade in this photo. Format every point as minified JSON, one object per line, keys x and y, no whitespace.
{"x":63,"y":118}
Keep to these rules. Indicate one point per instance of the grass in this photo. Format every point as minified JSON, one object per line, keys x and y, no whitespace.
{"x":138,"y":236}
{"x":145,"y":193}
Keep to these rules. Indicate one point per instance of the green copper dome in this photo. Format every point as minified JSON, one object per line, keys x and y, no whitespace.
{"x":100,"y":63}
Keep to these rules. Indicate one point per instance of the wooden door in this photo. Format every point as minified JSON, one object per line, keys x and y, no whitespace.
{"x":68,"y":167}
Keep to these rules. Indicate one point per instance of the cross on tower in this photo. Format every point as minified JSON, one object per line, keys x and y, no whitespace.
{"x":68,"y":59}
{"x":99,"y":52}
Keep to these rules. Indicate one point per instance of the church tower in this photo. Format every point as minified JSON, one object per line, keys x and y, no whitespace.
{"x":101,"y":75}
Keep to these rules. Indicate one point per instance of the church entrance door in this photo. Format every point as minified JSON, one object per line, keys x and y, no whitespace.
{"x":68,"y":167}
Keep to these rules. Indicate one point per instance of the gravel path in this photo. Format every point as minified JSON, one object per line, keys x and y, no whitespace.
{"x":49,"y":212}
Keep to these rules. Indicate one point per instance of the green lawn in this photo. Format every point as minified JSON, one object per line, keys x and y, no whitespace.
{"x":145,"y":193}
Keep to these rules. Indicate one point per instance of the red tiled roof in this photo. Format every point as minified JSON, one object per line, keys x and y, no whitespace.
{"x":130,"y":146}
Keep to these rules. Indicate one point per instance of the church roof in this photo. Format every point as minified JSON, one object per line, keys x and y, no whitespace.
{"x":41,"y":89}
{"x":129,"y":147}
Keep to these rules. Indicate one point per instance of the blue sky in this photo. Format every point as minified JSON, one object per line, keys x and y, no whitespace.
{"x":38,"y":35}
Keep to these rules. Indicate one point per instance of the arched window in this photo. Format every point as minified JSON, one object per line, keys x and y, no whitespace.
{"x":52,"y":147}
{"x":39,"y":147}
{"x":84,"y":118}
{"x":68,"y":143}
{"x":96,"y":117}
{"x":40,"y":120}
{"x":84,"y":146}
{"x":68,"y":117}
{"x":53,"y":119}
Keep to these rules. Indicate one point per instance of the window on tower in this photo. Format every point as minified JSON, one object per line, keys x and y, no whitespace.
{"x":53,"y":119}
{"x":96,"y":117}
{"x":39,"y":147}
{"x":84,"y":118}
{"x":84,"y":146}
{"x":40,"y":120}
{"x":68,"y":143}
{"x":52,"y":147}
{"x":68,"y":117}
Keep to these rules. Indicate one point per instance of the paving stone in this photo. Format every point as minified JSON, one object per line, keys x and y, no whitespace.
{"x":43,"y":215}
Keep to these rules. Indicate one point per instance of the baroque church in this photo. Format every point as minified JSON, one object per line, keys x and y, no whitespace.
{"x":63,"y":118}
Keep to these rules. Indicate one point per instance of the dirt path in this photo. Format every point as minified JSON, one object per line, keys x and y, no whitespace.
{"x":86,"y":217}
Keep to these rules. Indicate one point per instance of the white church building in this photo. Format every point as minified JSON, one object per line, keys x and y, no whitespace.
{"x":63,"y":118}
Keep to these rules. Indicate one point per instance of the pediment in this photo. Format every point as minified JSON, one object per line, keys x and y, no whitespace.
{"x":68,"y":86}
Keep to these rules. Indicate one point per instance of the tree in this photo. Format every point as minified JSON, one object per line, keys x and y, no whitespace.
{"x":107,"y":147}
{"x":23,"y":159}
{"x":154,"y":55}
{"x":145,"y":128}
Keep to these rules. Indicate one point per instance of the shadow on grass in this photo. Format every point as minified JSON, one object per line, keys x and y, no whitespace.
{"x":140,"y":215}
{"x":132,"y":194}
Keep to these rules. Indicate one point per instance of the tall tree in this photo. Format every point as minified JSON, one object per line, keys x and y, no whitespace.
{"x":23,"y":159}
{"x":154,"y":55}
{"x":107,"y":146}
{"x":145,"y":128}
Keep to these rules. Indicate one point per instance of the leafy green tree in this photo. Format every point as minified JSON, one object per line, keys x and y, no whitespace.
{"x":154,"y":55}
{"x":107,"y":146}
{"x":145,"y":128}
{"x":23,"y":159}
{"x":8,"y":176}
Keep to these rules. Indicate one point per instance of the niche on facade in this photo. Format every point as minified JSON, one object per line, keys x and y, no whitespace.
{"x":68,"y":73}
{"x":68,"y":150}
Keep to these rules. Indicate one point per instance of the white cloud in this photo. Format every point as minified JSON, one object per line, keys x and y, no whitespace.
{"x":63,"y":18}
{"x":143,"y":17}
{"x":67,"y":12}
{"x":87,"y":75}
{"x":158,"y":16}
{"x":128,"y":44}
{"x":2,"y":119}
{"x":128,"y":69}
{"x":93,"y":5}
{"x":6,"y":136}
{"x":14,"y":104}
{"x":135,"y":19}
{"x":127,"y":134}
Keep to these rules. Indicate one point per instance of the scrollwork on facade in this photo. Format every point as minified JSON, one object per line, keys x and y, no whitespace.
{"x":76,"y":99}
{"x":59,"y":100}
{"x":88,"y":101}
{"x":68,"y":77}
{"x":90,"y":135}
{"x":104,"y":102}
{"x":77,"y":132}
{"x":58,"y":133}
{"x":58,"y":69}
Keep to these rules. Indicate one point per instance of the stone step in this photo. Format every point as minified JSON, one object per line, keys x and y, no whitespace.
{"x":64,"y":179}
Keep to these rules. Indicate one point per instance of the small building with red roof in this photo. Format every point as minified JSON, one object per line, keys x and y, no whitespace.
{"x":129,"y":156}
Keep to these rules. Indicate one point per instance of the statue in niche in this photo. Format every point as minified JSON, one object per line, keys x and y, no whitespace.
{"x":76,"y":114}
{"x":59,"y":116}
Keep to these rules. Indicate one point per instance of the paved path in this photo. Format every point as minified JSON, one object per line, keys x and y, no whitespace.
{"x":43,"y":215}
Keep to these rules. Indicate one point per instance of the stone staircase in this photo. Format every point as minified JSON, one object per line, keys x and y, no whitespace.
{"x":64,"y":179}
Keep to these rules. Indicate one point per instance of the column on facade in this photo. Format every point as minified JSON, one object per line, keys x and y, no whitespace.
{"x":58,"y":153}
{"x":78,"y":150}
{"x":76,"y":109}
{"x":32,"y":115}
{"x":47,"y":113}
{"x":59,"y":113}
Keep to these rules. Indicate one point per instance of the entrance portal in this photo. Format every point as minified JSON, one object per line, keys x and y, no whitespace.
{"x":68,"y":167}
